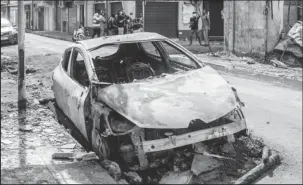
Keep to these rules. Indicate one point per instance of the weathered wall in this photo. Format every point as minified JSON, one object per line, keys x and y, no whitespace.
{"x":250,"y":26}
{"x":129,"y":7}
{"x":275,"y":25}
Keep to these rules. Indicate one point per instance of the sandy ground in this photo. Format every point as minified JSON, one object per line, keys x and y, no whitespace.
{"x":273,"y":113}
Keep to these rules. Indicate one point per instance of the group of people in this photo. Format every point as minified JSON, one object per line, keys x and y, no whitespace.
{"x":117,"y":24}
{"x":194,"y":26}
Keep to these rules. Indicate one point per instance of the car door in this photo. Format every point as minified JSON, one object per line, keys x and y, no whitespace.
{"x":60,"y":82}
{"x":78,"y":90}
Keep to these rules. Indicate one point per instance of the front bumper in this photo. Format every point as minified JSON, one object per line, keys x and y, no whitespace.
{"x":193,"y":137}
{"x":8,"y":38}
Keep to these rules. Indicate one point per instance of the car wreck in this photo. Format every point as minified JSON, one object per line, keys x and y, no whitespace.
{"x":141,"y":96}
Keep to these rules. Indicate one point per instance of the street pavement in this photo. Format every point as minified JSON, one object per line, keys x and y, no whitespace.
{"x":273,"y":113}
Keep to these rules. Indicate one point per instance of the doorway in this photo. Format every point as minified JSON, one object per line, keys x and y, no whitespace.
{"x":214,"y":7}
{"x":41,"y":19}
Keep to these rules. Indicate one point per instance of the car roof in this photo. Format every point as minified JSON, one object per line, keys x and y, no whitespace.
{"x":90,"y":44}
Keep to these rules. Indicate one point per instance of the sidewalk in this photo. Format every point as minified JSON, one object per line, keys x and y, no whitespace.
{"x":194,"y":48}
{"x":26,"y":150}
{"x":291,"y":77}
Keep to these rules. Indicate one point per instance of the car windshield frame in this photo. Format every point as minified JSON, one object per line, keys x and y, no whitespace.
{"x":186,"y":53}
{"x":5,"y":23}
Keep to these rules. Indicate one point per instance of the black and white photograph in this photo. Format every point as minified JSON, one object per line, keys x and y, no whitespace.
{"x":151,"y":91}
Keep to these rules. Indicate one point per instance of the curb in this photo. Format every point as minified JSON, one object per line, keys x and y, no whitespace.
{"x":50,"y":36}
{"x":284,"y":82}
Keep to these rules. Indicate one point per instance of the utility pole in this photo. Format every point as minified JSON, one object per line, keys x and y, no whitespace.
{"x":107,"y":17}
{"x":21,"y":70}
{"x":32,"y":15}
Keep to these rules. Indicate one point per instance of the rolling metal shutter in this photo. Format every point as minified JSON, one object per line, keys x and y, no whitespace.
{"x":160,"y":17}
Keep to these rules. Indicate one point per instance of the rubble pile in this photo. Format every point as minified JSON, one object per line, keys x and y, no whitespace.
{"x":213,"y":161}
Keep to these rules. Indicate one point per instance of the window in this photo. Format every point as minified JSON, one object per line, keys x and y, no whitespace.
{"x":78,"y":69}
{"x":178,"y":57}
{"x":65,"y":60}
{"x":98,"y":7}
{"x":150,"y":49}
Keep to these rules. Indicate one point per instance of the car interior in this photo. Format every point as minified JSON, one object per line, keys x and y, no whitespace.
{"x":130,"y":62}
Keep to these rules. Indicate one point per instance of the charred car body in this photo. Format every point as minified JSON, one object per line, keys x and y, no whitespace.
{"x":142,"y":95}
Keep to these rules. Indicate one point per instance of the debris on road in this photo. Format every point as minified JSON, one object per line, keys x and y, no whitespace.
{"x":69,"y":146}
{"x":26,"y":128}
{"x":202,"y":163}
{"x":86,"y":156}
{"x":113,"y":168}
{"x":45,"y":100}
{"x":260,"y":169}
{"x":265,"y":154}
{"x":177,"y":178}
{"x":228,"y":148}
{"x":133,"y":178}
{"x":6,"y":141}
{"x":278,"y":63}
{"x":69,"y":156}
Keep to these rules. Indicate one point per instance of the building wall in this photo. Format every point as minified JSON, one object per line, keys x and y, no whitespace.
{"x":129,"y":7}
{"x":250,"y":26}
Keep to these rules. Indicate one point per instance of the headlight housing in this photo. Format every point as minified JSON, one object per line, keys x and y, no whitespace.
{"x":233,"y":115}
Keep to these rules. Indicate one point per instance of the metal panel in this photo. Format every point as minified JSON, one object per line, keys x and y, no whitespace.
{"x":160,"y":17}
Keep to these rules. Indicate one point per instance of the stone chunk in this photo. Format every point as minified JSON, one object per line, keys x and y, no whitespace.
{"x":202,"y":164}
{"x":177,"y":178}
{"x":228,"y":148}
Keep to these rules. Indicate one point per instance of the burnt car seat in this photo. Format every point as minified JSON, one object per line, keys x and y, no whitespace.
{"x":139,"y":71}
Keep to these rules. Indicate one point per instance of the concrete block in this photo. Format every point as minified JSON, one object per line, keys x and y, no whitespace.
{"x":202,"y":163}
{"x":177,"y":178}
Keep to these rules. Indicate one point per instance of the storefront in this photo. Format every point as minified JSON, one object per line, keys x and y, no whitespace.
{"x":160,"y":17}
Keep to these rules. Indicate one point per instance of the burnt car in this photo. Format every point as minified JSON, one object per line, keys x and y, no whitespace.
{"x":9,"y":33}
{"x":141,"y":95}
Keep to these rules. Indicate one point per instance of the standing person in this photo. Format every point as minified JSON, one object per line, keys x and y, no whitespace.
{"x":96,"y":25}
{"x":102,"y":23}
{"x":120,"y":22}
{"x":112,"y":27}
{"x":127,"y":24}
{"x":194,"y":27}
{"x":205,"y":26}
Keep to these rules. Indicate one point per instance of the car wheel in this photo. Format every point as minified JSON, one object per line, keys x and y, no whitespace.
{"x":100,"y":145}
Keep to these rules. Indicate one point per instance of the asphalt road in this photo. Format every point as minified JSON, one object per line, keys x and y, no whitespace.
{"x":273,"y":113}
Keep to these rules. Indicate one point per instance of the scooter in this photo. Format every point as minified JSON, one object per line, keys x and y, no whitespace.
{"x":78,"y":36}
{"x":136,"y":26}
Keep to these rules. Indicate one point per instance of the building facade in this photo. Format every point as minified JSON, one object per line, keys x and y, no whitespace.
{"x":243,"y":25}
{"x":252,"y":26}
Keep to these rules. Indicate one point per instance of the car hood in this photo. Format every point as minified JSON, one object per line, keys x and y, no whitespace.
{"x":6,"y":29}
{"x":172,"y":101}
